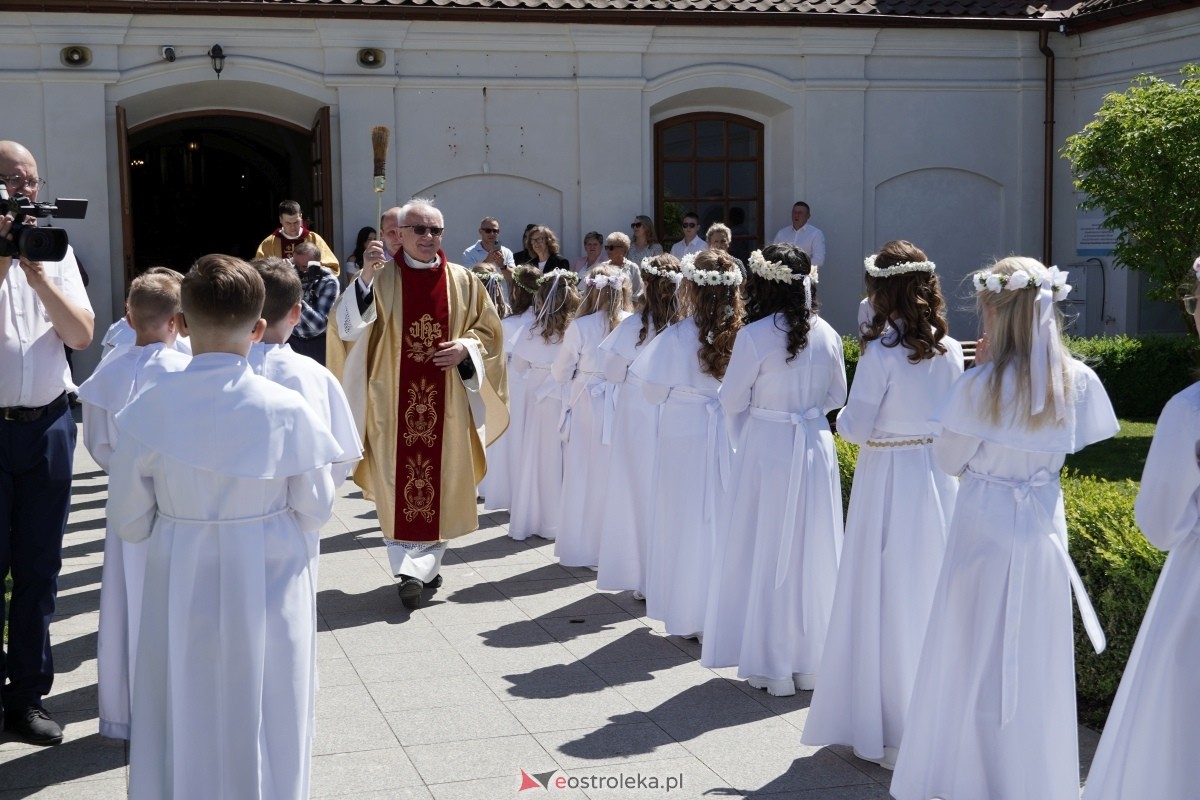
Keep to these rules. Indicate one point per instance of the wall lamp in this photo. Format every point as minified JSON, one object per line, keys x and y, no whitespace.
{"x":218,"y":59}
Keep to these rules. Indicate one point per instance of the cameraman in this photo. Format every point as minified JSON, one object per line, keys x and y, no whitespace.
{"x":42,"y":307}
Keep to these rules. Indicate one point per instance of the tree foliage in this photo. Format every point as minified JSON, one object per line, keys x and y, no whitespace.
{"x":1139,"y":162}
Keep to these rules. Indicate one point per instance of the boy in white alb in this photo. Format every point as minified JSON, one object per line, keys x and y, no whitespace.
{"x":121,"y":334}
{"x":226,"y":663}
{"x":153,"y":309}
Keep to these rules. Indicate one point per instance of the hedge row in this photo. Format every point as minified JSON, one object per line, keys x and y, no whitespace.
{"x":1140,"y":373}
{"x":1118,"y":565}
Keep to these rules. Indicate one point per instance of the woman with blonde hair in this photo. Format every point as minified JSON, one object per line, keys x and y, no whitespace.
{"x":681,"y":371}
{"x":623,"y":533}
{"x":900,"y":507}
{"x":502,"y":454}
{"x":992,"y":712}
{"x":537,"y":478}
{"x":644,"y":244}
{"x":588,"y":413}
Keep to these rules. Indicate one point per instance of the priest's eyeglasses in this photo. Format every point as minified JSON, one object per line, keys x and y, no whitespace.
{"x":17,"y":183}
{"x":421,"y":230}
{"x":1189,"y":304}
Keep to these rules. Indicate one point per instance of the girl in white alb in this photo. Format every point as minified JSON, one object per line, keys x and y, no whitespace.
{"x":992,"y":713}
{"x":900,"y":508}
{"x":1149,"y":742}
{"x":681,"y":371}
{"x":625,"y":525}
{"x":589,"y":410}
{"x":537,"y":475}
{"x":781,"y":531}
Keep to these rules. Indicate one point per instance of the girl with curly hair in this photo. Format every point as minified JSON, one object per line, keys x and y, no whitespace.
{"x":501,"y":454}
{"x":624,"y":529}
{"x":537,"y":476}
{"x":899,"y":509}
{"x":992,"y":710}
{"x":781,"y":531}
{"x":681,"y":371}
{"x":588,"y":412}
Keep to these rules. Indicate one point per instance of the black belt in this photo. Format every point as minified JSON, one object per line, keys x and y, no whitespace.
{"x":23,"y":414}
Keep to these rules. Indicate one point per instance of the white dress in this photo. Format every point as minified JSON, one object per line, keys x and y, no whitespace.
{"x":992,"y":713}
{"x":781,"y":533}
{"x":537,"y":477}
{"x":115,"y":382}
{"x":1149,"y":742}
{"x":588,"y":437}
{"x":625,"y":525}
{"x":226,"y":660}
{"x":496,"y":486}
{"x":689,"y":479}
{"x":900,"y":509}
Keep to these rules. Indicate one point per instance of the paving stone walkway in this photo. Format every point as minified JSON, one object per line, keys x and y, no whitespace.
{"x":516,"y":672}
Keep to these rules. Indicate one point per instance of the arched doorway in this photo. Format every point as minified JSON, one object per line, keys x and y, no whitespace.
{"x":208,"y":182}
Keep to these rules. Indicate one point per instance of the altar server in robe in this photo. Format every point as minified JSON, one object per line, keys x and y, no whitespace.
{"x":781,"y":528}
{"x":1148,"y":746}
{"x":900,"y":508}
{"x":992,"y":712}
{"x":222,"y":471}
{"x":153,"y":310}
{"x":426,"y":379}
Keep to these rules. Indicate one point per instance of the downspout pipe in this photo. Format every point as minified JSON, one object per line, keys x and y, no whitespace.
{"x":1048,"y":155}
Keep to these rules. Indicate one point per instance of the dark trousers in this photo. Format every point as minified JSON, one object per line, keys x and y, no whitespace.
{"x":314,"y":348}
{"x":36,"y":461}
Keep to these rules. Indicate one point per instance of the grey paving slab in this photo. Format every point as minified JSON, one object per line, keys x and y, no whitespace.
{"x":516,"y":667}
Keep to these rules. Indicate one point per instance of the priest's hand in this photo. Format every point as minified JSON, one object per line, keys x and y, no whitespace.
{"x":374,"y":258}
{"x":449,"y":355}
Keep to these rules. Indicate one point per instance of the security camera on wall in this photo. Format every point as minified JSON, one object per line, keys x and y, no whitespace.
{"x":168,"y":54}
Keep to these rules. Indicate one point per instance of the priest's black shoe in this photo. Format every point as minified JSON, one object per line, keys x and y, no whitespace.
{"x":33,"y":725}
{"x":410,"y":591}
{"x":436,"y":583}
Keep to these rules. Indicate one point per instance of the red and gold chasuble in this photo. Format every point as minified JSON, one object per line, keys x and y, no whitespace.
{"x":288,"y":246}
{"x":422,"y":400}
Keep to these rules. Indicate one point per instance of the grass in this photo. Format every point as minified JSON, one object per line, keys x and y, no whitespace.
{"x":1119,"y":458}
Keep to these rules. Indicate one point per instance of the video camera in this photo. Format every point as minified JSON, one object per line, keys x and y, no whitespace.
{"x":28,"y":240}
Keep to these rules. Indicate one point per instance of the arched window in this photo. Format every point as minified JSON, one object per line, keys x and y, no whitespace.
{"x":712,"y":164}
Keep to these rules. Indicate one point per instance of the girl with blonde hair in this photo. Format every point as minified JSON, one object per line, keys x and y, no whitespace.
{"x":992,"y":711}
{"x":537,"y":477}
{"x":681,"y":371}
{"x":900,"y":507}
{"x":588,"y":414}
{"x":624,"y":527}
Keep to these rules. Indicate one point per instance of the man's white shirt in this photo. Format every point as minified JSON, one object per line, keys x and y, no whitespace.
{"x":808,"y":239}
{"x":681,"y":248}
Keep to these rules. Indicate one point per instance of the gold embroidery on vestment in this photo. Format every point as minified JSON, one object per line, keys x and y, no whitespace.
{"x":421,"y":415}
{"x":422,"y":338}
{"x":418,"y":489}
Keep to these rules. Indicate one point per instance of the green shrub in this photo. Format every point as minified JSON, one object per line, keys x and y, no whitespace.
{"x":851,"y":351}
{"x":1119,"y":567}
{"x":847,"y":456}
{"x":1140,"y":374}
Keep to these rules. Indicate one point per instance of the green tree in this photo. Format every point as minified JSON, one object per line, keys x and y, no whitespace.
{"x":1139,"y":162}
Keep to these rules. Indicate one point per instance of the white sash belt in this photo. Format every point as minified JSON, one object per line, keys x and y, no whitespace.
{"x":797,"y":478}
{"x":223,"y":520}
{"x":1022,"y":493}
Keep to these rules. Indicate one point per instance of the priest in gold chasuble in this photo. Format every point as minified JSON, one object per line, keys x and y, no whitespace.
{"x":425,"y":376}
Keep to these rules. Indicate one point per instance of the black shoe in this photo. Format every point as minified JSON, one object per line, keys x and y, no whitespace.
{"x":410,"y":592}
{"x":436,"y":583}
{"x":33,"y":725}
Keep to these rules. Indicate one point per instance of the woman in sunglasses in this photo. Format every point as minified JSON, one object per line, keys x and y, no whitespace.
{"x":644,"y":243}
{"x":616,"y":246}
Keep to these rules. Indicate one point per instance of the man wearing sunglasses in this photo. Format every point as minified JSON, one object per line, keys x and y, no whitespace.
{"x":691,"y":241}
{"x":43,"y":306}
{"x":427,"y":376}
{"x":488,"y":249}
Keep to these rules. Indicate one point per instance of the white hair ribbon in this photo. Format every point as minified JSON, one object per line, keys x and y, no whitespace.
{"x":1046,"y":355}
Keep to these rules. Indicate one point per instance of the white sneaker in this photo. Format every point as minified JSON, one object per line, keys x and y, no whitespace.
{"x":776,"y":687}
{"x":638,"y":595}
{"x":805,"y":681}
{"x":887,"y":760}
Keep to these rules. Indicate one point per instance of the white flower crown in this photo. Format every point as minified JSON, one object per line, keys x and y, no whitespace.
{"x":1055,"y":280}
{"x":708,"y":277}
{"x":570,"y":276}
{"x":615,"y":281}
{"x":648,"y":267}
{"x":896,"y":269}
{"x":1196,"y":268}
{"x":776,"y":271}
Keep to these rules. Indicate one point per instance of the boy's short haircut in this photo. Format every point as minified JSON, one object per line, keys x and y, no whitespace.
{"x":289,"y":207}
{"x":223,"y":293}
{"x":153,"y":298}
{"x":282,"y":285}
